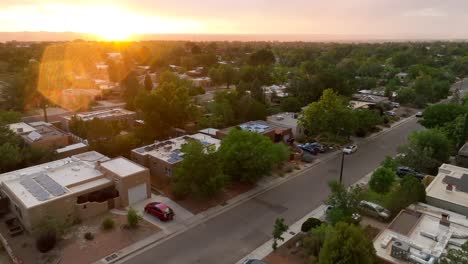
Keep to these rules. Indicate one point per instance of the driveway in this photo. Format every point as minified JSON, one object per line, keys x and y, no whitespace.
{"x":181,"y":214}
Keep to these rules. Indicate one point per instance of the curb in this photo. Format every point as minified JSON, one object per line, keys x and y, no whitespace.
{"x":202,"y":217}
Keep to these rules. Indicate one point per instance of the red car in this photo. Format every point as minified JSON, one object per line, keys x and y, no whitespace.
{"x":160,"y":210}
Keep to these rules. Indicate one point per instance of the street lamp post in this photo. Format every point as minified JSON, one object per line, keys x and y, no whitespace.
{"x":342,"y":163}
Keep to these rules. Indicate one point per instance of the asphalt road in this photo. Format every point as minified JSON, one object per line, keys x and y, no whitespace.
{"x":233,"y":234}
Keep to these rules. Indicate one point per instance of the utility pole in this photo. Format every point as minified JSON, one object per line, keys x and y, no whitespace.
{"x":342,"y":163}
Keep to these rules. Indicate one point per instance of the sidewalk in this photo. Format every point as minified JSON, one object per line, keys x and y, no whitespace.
{"x":263,"y":186}
{"x":319,"y":213}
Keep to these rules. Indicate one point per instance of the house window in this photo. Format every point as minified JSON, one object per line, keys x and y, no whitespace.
{"x":168,"y":171}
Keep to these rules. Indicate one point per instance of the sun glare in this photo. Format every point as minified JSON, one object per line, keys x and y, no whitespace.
{"x":108,"y":22}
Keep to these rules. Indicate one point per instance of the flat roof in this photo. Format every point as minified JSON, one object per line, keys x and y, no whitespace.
{"x":284,"y":119}
{"x":71,"y":147}
{"x":454,"y":175}
{"x":259,"y":126}
{"x":170,"y":150}
{"x":31,"y":185}
{"x":425,"y":235}
{"x":21,"y":127}
{"x":122,"y":166}
{"x":102,"y":114}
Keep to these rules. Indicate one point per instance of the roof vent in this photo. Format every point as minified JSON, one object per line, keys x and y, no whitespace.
{"x":445,"y":220}
{"x":75,"y":168}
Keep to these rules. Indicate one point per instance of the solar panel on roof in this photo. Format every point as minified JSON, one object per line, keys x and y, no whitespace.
{"x":35,"y":189}
{"x":50,"y":185}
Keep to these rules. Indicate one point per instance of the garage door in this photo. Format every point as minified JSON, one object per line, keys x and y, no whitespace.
{"x":137,"y":193}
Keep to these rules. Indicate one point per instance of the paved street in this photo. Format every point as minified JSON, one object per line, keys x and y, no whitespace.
{"x":231,"y":235}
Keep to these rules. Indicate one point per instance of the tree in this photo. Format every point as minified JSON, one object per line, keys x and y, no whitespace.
{"x":329,"y":117}
{"x":389,"y":163}
{"x":131,"y":88}
{"x":410,"y":191}
{"x":382,"y":180}
{"x":366,"y":120}
{"x":291,"y":104}
{"x":248,"y":156}
{"x":262,"y":57}
{"x":199,"y":173}
{"x":148,"y":83}
{"x":426,"y":150}
{"x":278,"y":229}
{"x":454,"y":255}
{"x":439,"y":115}
{"x":347,"y":244}
{"x":344,"y":202}
{"x":406,"y":95}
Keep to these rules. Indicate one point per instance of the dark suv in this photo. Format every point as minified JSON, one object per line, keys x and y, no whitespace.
{"x":313,"y":148}
{"x":405,"y":171}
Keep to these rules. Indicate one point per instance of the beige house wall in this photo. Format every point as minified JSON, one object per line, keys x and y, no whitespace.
{"x":123,"y":184}
{"x":90,"y":209}
{"x":51,"y":143}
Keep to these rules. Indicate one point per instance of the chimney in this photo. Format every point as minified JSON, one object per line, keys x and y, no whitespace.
{"x":19,"y":130}
{"x":449,"y":188}
{"x":445,"y":220}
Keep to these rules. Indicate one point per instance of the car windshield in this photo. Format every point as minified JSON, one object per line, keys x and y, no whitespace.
{"x":167,"y":210}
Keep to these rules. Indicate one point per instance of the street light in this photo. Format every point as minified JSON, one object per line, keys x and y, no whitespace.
{"x":342,"y":163}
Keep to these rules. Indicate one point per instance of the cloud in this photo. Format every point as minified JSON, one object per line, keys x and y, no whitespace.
{"x":425,"y":12}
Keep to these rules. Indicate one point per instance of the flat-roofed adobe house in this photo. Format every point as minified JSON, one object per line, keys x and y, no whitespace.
{"x":77,"y":187}
{"x":275,"y":132}
{"x":118,"y":114}
{"x":162,"y":157}
{"x":41,"y":134}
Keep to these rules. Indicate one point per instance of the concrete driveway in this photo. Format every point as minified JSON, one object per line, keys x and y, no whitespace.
{"x":181,"y":214}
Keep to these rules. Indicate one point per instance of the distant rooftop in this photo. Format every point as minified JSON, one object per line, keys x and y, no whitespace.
{"x":170,"y":150}
{"x":258,"y":126}
{"x":71,"y":147}
{"x":464,"y":150}
{"x":284,"y":119}
{"x":36,"y":131}
{"x":279,"y":90}
{"x":102,"y":114}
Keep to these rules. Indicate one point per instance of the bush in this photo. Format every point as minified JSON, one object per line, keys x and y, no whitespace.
{"x":89,"y":236}
{"x":46,"y":240}
{"x":133,"y":218}
{"x":310,"y":223}
{"x":382,"y":180}
{"x":108,"y":223}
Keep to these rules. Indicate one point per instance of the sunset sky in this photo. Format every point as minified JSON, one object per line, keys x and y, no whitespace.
{"x":120,"y":18}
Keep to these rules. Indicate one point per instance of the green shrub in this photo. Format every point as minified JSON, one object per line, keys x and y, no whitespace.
{"x":89,"y":236}
{"x":46,"y":240}
{"x":108,"y":223}
{"x":133,"y":218}
{"x":310,"y":223}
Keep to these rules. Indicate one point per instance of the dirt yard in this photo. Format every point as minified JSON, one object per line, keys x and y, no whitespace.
{"x":73,"y":248}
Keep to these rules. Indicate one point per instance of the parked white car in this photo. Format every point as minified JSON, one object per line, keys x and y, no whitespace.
{"x":350,"y":149}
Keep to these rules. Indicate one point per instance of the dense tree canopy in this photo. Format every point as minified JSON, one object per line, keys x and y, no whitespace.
{"x":347,"y":244}
{"x":248,"y":156}
{"x":329,"y":117}
{"x":199,"y":173}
